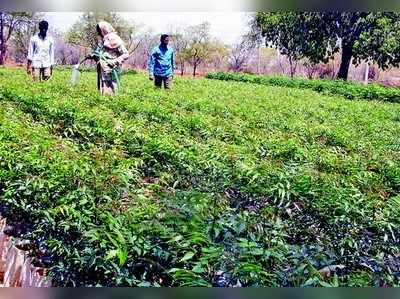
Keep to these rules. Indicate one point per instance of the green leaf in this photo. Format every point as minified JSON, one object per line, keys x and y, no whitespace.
{"x":111,"y":254}
{"x":187,"y":256}
{"x":198,"y":269}
{"x":122,"y":255}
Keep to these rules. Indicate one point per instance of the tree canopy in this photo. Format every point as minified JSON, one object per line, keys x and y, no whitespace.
{"x":373,"y":36}
{"x":83,"y":32}
{"x":201,"y":46}
{"x":11,"y":22}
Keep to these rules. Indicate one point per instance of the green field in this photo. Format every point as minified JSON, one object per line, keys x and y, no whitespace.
{"x":212,"y":184}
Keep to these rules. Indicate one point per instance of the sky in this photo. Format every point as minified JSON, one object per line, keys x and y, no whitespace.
{"x":227,"y":26}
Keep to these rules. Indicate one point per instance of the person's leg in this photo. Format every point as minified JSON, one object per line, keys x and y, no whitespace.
{"x":158,"y":81}
{"x":36,"y":74}
{"x":168,"y":82}
{"x":42,"y":74}
{"x":46,"y":73}
{"x":107,"y":86}
{"x":114,"y":85}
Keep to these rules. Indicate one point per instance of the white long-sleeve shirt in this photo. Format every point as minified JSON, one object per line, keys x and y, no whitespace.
{"x":41,"y":51}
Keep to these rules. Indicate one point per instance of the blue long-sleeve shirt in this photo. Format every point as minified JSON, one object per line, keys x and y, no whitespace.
{"x":161,"y":61}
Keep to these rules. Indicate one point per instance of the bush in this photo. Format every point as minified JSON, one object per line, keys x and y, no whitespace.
{"x":349,"y":90}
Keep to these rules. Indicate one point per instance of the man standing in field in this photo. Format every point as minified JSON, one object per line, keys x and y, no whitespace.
{"x":41,"y":54}
{"x":162,"y":64}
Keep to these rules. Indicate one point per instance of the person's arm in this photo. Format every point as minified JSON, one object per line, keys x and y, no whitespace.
{"x":151,"y":65}
{"x":30,"y":56}
{"x":51,"y":55}
{"x":173,"y":62}
{"x":124,"y":54}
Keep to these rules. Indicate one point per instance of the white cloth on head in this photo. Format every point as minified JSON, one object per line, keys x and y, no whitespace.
{"x":41,"y":51}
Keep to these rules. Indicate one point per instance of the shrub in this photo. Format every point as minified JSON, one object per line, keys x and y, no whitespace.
{"x":349,"y":90}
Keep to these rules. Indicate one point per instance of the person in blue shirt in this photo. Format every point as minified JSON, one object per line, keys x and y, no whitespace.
{"x":161,"y":64}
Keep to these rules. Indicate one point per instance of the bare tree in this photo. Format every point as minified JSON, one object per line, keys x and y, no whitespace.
{"x":241,"y":53}
{"x":147,"y":40}
{"x":11,"y":22}
{"x":65,"y":53}
{"x":310,"y":69}
{"x":20,"y":39}
{"x":293,"y":62}
{"x":287,"y":64}
{"x":181,"y":43}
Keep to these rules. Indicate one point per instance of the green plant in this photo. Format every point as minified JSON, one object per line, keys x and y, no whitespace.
{"x":213,"y":184}
{"x":349,"y":90}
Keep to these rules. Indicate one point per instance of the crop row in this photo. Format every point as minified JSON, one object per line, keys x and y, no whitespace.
{"x":138,"y":191}
{"x":93,"y":222}
{"x":349,"y":90}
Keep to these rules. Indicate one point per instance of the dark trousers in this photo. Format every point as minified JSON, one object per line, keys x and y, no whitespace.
{"x":159,"y":80}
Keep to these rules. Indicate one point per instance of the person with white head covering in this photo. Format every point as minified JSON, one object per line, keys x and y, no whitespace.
{"x":109,"y":55}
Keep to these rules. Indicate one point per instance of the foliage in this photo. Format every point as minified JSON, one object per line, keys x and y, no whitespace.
{"x":83,"y":32}
{"x":201,"y":46}
{"x":349,"y":90}
{"x":319,"y":35}
{"x":10,"y":23}
{"x":214,"y":183}
{"x":181,"y":43}
{"x":20,"y":40}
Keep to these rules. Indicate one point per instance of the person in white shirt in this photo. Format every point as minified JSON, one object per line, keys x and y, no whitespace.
{"x":41,"y":54}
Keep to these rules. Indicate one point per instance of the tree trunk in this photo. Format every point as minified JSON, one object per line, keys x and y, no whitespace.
{"x":347,"y":53}
{"x":194,"y":69}
{"x":292,"y":67}
{"x":2,"y":56}
{"x":366,"y":72}
{"x":182,"y":68}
